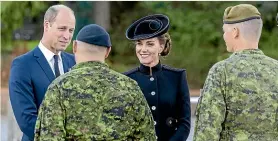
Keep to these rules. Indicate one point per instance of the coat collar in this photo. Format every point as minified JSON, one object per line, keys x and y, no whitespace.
{"x":47,"y":53}
{"x":95,"y":65}
{"x":45,"y":66}
{"x":150,"y":70}
{"x":249,"y":51}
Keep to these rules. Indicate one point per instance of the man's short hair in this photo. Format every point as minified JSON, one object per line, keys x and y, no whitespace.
{"x":250,"y":30}
{"x":91,"y":48}
{"x":52,"y":12}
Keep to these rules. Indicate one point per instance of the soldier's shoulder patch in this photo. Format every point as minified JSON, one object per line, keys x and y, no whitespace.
{"x":131,"y":71}
{"x":165,"y":67}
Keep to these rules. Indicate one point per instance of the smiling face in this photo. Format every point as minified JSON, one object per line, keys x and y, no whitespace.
{"x":148,"y":51}
{"x":59,"y":32}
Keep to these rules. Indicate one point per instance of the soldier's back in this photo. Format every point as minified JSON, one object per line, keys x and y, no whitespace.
{"x":251,"y":97}
{"x":104,"y":105}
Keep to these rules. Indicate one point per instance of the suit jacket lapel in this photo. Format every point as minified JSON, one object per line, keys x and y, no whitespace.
{"x":44,"y":64}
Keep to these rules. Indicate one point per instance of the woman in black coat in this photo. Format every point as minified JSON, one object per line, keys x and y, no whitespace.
{"x":165,"y":88}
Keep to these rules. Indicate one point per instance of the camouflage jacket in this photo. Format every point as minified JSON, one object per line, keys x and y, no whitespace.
{"x":239,"y":101}
{"x":93,"y":102}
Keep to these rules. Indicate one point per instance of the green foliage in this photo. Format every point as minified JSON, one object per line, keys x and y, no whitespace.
{"x":196,"y":32}
{"x":195,"y":29}
{"x":13,"y":15}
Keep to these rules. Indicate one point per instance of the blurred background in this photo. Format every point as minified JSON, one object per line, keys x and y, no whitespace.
{"x":195,"y":29}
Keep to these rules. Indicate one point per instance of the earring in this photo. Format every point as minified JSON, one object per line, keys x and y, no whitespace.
{"x":159,"y":54}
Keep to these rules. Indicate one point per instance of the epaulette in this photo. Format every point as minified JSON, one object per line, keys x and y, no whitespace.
{"x":131,"y":71}
{"x":172,"y":69}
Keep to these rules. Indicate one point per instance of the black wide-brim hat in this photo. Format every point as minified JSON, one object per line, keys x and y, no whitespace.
{"x":148,"y":27}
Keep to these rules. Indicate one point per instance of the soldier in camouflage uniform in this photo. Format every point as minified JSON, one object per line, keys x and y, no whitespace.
{"x":93,"y":102}
{"x":239,"y":101}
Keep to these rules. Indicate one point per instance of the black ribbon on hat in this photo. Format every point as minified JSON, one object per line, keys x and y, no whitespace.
{"x":155,"y":25}
{"x":146,"y":27}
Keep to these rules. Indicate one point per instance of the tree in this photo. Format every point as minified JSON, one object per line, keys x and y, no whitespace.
{"x":13,"y":15}
{"x":196,"y":33}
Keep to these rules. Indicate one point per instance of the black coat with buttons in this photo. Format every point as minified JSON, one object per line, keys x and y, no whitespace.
{"x":167,"y":93}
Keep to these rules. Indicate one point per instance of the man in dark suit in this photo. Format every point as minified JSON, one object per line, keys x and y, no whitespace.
{"x":31,"y":73}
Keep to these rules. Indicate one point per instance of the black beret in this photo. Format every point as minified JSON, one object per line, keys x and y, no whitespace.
{"x":148,"y":27}
{"x":95,"y":35}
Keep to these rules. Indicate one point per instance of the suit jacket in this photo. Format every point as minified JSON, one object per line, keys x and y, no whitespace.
{"x":167,"y":93}
{"x":29,"y":79}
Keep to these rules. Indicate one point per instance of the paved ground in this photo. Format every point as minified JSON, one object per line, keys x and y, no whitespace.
{"x":4,"y":100}
{"x":4,"y":127}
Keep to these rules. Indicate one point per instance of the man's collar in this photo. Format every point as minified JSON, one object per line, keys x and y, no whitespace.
{"x":47,"y":53}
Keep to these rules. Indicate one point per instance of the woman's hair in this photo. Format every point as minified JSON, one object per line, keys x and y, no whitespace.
{"x":166,"y":40}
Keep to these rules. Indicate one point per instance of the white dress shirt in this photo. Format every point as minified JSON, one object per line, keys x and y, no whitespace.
{"x":50,"y":58}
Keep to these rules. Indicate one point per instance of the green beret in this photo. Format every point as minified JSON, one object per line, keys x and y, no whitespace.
{"x":240,"y":13}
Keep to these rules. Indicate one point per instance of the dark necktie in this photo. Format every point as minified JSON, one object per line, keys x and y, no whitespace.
{"x":56,"y":66}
